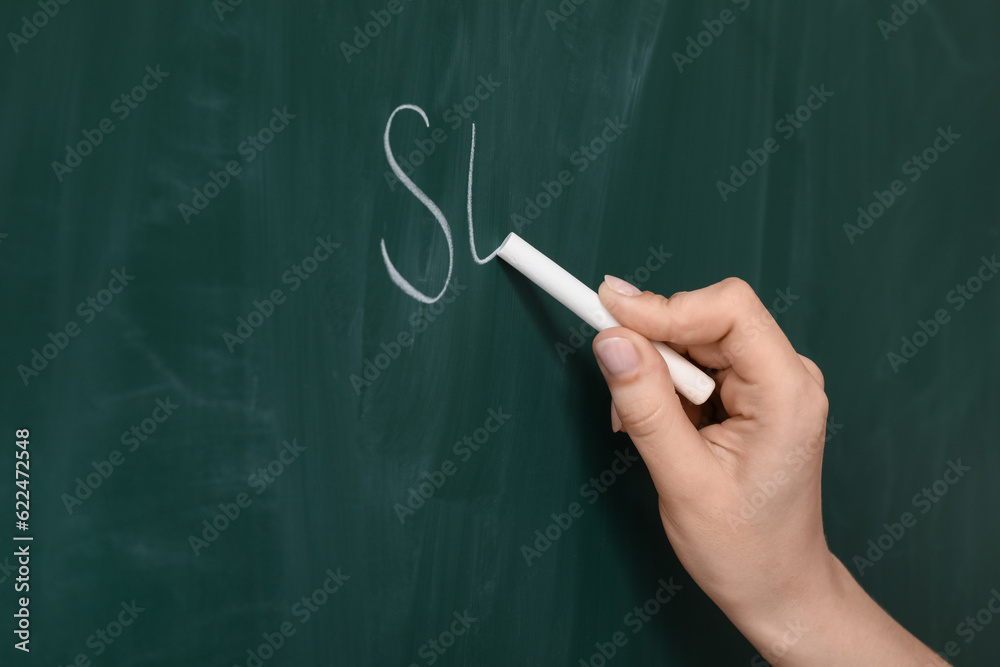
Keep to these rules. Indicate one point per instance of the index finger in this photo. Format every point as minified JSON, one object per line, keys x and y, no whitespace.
{"x":726,"y":319}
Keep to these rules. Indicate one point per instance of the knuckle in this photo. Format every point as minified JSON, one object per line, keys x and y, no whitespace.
{"x":670,"y":313}
{"x":738,"y":292}
{"x":814,"y":370}
{"x":815,"y":403}
{"x":643,"y":417}
{"x":822,"y":402}
{"x":662,"y":304}
{"x":650,"y":311}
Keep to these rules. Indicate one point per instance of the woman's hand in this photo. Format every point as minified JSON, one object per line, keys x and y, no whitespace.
{"x":740,"y":498}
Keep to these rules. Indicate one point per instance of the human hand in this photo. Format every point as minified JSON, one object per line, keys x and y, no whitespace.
{"x":740,"y":497}
{"x":774,"y":407}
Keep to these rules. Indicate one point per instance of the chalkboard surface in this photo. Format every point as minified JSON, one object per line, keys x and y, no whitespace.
{"x":248,"y":446}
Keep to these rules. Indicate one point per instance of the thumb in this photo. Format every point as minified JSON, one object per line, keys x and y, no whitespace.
{"x":648,"y":407}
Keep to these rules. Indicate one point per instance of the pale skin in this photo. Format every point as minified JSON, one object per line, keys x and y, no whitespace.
{"x":772,"y":574}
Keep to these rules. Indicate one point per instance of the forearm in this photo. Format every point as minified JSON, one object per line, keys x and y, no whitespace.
{"x":836,"y":623}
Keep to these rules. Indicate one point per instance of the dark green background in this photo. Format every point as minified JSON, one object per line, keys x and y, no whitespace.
{"x":495,"y":345}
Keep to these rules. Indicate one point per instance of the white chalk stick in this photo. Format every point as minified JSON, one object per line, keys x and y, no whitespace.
{"x":689,"y":380}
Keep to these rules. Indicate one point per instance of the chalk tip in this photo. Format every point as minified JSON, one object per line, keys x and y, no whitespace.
{"x":500,"y":250}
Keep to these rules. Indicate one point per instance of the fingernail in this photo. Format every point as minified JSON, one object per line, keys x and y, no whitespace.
{"x":618,"y":355}
{"x":622,"y":287}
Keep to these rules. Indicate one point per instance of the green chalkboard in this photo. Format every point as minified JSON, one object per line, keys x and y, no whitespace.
{"x":248,"y":446}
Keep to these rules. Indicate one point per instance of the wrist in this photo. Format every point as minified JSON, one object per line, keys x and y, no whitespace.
{"x":831,"y":621}
{"x":785,"y":622}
